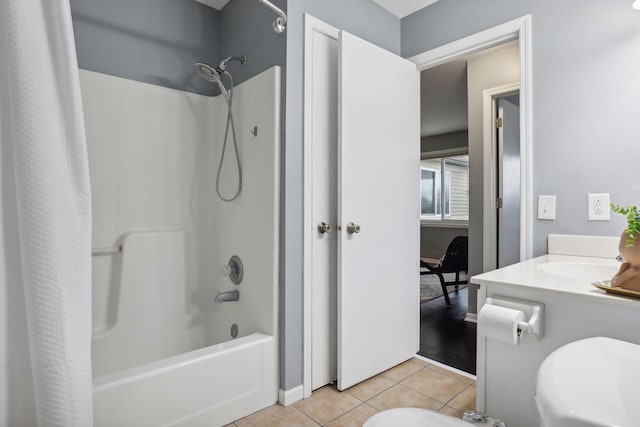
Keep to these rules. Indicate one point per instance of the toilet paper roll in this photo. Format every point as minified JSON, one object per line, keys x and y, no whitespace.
{"x":500,"y":323}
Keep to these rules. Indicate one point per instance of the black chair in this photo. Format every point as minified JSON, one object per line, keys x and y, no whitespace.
{"x":455,"y":260}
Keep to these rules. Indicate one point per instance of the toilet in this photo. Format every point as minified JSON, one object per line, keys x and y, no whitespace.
{"x":413,"y":417}
{"x":590,"y":383}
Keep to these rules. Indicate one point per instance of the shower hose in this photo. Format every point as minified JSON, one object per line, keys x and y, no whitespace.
{"x":230,"y":124}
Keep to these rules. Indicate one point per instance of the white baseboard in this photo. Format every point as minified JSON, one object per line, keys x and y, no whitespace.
{"x":447,"y":367}
{"x":287,"y":397}
{"x":471,"y":318}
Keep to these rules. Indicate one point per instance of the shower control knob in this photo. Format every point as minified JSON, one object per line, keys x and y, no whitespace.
{"x":323,"y":228}
{"x":353,"y":228}
{"x":234,"y":269}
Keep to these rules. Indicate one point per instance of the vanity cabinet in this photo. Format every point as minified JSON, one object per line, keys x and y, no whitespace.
{"x":574,"y":309}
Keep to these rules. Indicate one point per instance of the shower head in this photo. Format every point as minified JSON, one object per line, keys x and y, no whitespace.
{"x":213,"y":75}
{"x":223,"y":64}
{"x":207,"y":72}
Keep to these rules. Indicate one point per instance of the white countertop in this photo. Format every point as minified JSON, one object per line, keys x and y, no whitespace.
{"x":527,"y":275}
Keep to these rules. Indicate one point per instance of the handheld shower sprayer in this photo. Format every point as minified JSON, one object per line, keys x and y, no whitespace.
{"x":214,"y":75}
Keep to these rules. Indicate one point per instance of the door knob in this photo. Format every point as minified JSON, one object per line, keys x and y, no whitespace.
{"x":353,"y":228}
{"x":323,"y":228}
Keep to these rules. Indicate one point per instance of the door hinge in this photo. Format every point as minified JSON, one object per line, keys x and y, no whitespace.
{"x":498,"y":203}
{"x":499,"y":122}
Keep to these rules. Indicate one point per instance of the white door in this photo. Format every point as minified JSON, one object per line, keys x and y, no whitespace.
{"x":378,"y":190}
{"x":324,"y":209}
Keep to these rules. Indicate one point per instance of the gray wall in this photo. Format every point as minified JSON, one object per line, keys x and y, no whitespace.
{"x":245,"y":27}
{"x":153,"y":41}
{"x":158,"y":41}
{"x":586,"y":96}
{"x":434,"y":240}
{"x":446,"y":141}
{"x":367,"y":20}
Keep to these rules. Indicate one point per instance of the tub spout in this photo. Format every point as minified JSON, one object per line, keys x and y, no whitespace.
{"x":227,"y":296}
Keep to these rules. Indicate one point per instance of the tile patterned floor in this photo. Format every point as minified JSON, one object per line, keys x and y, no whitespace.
{"x":414,"y":383}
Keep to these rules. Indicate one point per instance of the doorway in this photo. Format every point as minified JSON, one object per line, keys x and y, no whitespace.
{"x":515,"y":30}
{"x":453,"y":125}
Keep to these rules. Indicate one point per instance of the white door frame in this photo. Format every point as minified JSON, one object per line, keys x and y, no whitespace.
{"x":518,"y":29}
{"x":311,"y":25}
{"x":489,"y":140}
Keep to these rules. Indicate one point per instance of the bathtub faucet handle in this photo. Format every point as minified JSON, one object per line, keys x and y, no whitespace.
{"x":234,"y":269}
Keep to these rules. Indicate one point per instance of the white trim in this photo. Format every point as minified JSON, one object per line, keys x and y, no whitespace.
{"x":489,"y":134}
{"x":474,"y":43}
{"x":287,"y":397}
{"x":448,"y":152}
{"x":447,"y":367}
{"x":517,"y":29}
{"x":471,"y":318}
{"x":443,"y":224}
{"x":481,"y":367}
{"x":311,"y":25}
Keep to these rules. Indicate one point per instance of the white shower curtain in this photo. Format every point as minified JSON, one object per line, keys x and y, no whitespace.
{"x":53,"y":205}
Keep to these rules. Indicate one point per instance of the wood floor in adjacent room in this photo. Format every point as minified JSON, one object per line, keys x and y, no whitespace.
{"x":444,"y":335}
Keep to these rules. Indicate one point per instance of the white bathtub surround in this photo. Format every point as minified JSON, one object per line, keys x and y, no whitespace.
{"x":574,"y":310}
{"x":138,"y":335}
{"x":162,"y":347}
{"x":54,"y":210}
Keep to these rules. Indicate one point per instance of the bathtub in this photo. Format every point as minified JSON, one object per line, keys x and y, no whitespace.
{"x":212,"y":386}
{"x":164,"y":352}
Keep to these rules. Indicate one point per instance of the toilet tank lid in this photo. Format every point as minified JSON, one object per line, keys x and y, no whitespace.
{"x":591,"y":382}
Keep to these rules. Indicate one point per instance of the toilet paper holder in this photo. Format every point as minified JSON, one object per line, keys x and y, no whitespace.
{"x":533,"y":312}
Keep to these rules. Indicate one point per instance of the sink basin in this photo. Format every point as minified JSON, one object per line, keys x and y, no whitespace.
{"x":580,"y":270}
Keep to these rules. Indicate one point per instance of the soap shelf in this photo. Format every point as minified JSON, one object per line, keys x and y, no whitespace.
{"x":605,"y":285}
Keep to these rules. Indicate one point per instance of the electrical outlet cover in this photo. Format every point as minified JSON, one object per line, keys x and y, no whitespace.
{"x":598,"y":208}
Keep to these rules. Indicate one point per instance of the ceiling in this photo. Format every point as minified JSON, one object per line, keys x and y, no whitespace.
{"x":399,"y":8}
{"x":216,"y":4}
{"x":402,"y":8}
{"x":443,"y":99}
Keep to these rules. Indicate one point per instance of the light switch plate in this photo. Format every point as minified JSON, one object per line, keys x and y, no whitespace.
{"x":547,"y":207}
{"x":598,"y":207}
